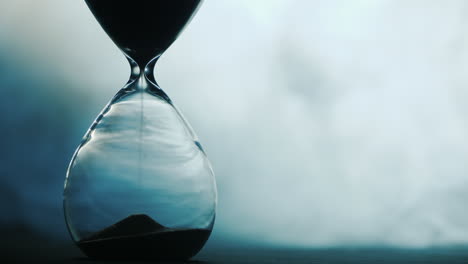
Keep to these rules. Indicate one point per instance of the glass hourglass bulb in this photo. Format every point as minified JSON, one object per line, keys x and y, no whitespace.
{"x":140,"y":186}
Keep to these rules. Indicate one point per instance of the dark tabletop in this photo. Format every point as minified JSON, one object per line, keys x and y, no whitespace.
{"x":18,"y":247}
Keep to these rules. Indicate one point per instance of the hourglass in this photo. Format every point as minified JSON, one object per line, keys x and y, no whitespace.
{"x":140,"y":186}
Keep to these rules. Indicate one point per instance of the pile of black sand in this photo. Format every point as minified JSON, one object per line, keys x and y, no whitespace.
{"x":139,"y":237}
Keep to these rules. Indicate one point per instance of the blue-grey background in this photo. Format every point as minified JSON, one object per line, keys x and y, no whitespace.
{"x":328,"y":123}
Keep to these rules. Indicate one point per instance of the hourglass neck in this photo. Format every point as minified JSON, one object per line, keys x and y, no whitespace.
{"x":142,"y":79}
{"x":143,"y":71}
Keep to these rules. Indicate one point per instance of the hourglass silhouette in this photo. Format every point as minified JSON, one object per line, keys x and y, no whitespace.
{"x":140,"y":186}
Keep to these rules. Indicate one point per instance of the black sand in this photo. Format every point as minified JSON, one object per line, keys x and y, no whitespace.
{"x":143,"y":28}
{"x":138,"y":237}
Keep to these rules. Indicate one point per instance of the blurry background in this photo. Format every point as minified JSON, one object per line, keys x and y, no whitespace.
{"x":328,"y":123}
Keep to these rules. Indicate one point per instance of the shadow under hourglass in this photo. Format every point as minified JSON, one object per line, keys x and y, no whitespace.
{"x":85,"y":260}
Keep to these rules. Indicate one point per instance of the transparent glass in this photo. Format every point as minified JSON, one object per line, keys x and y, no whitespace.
{"x":140,"y":186}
